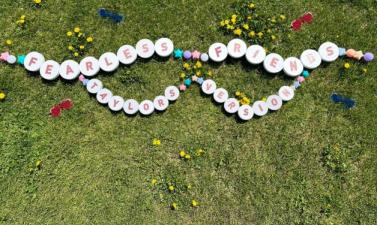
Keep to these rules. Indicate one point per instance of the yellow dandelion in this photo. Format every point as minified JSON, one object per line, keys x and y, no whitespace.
{"x":198,"y":64}
{"x":8,"y":42}
{"x":198,"y":74}
{"x":76,"y":54}
{"x":210,"y":73}
{"x":251,"y":34}
{"x":251,"y":6}
{"x":222,"y":23}
{"x":238,"y":93}
{"x":2,"y":96}
{"x":347,"y":65}
{"x":69,"y":34}
{"x":23,"y":17}
{"x":71,"y":48}
{"x":246,"y":26}
{"x":182,"y":153}
{"x":365,"y":70}
{"x":194,"y":203}
{"x":156,"y":141}
{"x":234,"y":16}
{"x":182,"y":75}
{"x":82,"y":47}
{"x":273,"y":37}
{"x":282,"y":17}
{"x":174,"y":206}
{"x":38,"y":164}
{"x":249,"y":17}
{"x":187,"y":156}
{"x":237,"y":31}
{"x":260,"y":34}
{"x":234,"y":20}
{"x":226,"y":22}
{"x":37,"y":1}
{"x":171,"y":188}
{"x":77,"y":29}
{"x":154,"y":181}
{"x":89,"y":39}
{"x":199,"y":152}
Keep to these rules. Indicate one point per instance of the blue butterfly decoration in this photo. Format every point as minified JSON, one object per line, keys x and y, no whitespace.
{"x":115,"y":17}
{"x":348,"y":103}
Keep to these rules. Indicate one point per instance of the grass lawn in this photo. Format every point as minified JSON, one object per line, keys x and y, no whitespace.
{"x":312,"y":162}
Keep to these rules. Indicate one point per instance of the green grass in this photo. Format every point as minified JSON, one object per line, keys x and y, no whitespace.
{"x":97,"y":166}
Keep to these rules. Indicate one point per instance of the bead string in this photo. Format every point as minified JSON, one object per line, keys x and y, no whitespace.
{"x":218,"y":52}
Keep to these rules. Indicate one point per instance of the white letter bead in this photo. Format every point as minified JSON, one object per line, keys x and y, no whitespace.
{"x":220,"y":95}
{"x":164,"y":47}
{"x":49,"y":70}
{"x":146,"y":107}
{"x":161,"y":103}
{"x":328,"y":51}
{"x":293,"y":67}
{"x":94,"y":86}
{"x":209,"y":87}
{"x":231,"y":105}
{"x":273,"y":63}
{"x":286,"y":93}
{"x":127,"y":54}
{"x":89,"y":66}
{"x":33,"y":61}
{"x":255,"y":54}
{"x":108,"y":62}
{"x":172,"y":93}
{"x":116,"y":103}
{"x":274,"y":102}
{"x":310,"y":59}
{"x":145,"y":48}
{"x":69,"y":70}
{"x":245,"y":112}
{"x":218,"y":52}
{"x":260,"y":108}
{"x":237,"y":48}
{"x":131,"y":107}
{"x":104,"y":96}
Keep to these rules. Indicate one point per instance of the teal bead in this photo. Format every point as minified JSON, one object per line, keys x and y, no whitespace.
{"x":305,"y":74}
{"x":188,"y":82}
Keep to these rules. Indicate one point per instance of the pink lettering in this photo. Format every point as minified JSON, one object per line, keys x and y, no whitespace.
{"x":89,"y":66}
{"x":311,"y":58}
{"x":94,"y":85}
{"x":33,"y":60}
{"x":164,"y":47}
{"x":48,"y":69}
{"x":232,"y":105}
{"x":220,"y":94}
{"x":146,"y":106}
{"x":286,"y":92}
{"x":130,"y":106}
{"x":218,"y":51}
{"x":145,"y":47}
{"x":293,"y":65}
{"x":103,"y":96}
{"x":161,"y":102}
{"x":172,"y":93}
{"x":274,"y":62}
{"x":107,"y":62}
{"x":237,"y":47}
{"x":246,"y":112}
{"x":274,"y":102}
{"x":127,"y":53}
{"x":256,"y":53}
{"x":69,"y":70}
{"x":115,"y":102}
{"x":329,"y":51}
